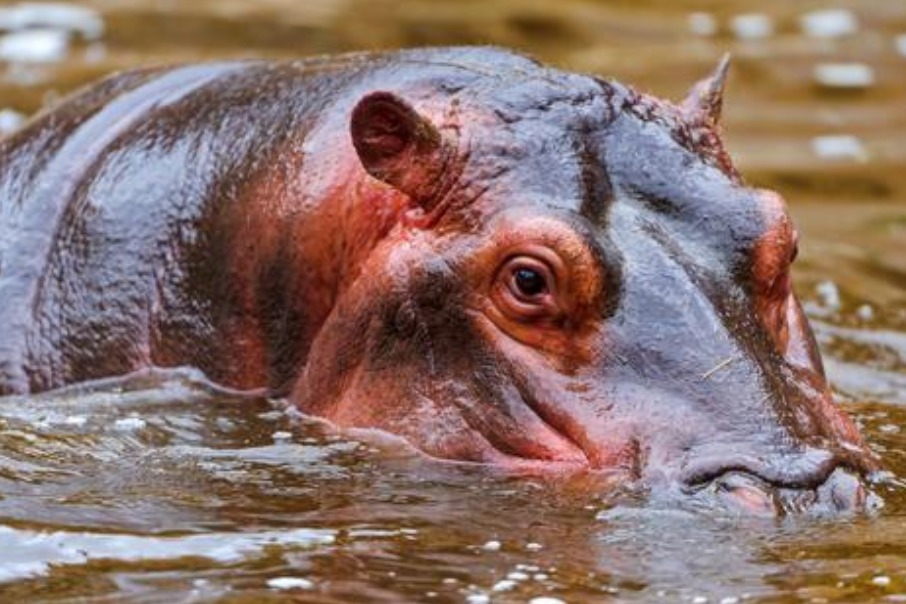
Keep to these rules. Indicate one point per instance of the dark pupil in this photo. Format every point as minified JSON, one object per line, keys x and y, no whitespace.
{"x":530,"y":282}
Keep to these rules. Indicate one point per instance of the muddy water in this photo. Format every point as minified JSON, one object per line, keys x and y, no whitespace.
{"x":166,"y":489}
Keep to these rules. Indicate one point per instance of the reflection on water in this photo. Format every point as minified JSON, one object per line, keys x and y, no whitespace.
{"x":167,"y":489}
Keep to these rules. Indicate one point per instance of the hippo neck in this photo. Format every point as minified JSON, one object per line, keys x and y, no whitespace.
{"x":293,"y":265}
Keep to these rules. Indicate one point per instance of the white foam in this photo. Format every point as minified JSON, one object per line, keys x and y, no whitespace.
{"x":839,"y":146}
{"x":34,"y":46}
{"x":32,"y":553}
{"x":752,"y":26}
{"x":130,"y":424}
{"x":289,"y":583}
{"x":829,"y":23}
{"x":900,"y":43}
{"x":844,"y":75}
{"x":54,"y":15}
{"x":10,"y":120}
{"x":865,"y":312}
{"x":702,"y":24}
{"x":830,"y":295}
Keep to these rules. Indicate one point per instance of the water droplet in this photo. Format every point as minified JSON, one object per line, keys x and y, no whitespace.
{"x":752,"y":26}
{"x":839,"y":146}
{"x":901,"y":44}
{"x":829,"y":23}
{"x":289,"y":583}
{"x":830,"y":295}
{"x":34,"y":46}
{"x":129,"y":424}
{"x":881,"y":581}
{"x":10,"y":120}
{"x":865,"y":312}
{"x":844,"y":75}
{"x":702,"y":24}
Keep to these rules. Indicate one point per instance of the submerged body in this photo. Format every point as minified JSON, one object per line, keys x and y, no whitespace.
{"x":498,"y":261}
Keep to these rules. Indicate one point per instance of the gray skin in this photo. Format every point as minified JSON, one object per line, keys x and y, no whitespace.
{"x":353,"y":233}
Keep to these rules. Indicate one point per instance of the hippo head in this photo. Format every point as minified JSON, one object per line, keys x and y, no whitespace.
{"x":582,"y":280}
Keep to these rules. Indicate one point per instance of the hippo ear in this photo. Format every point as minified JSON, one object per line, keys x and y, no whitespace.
{"x":704,"y":102}
{"x":398,"y":146}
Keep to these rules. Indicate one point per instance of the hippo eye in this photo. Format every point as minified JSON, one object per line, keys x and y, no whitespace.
{"x":526,"y":289}
{"x":529,"y":282}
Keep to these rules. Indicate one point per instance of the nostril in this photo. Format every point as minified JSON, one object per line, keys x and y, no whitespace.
{"x":817,"y":484}
{"x":747,"y":493}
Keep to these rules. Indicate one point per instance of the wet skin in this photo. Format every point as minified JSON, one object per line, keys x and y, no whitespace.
{"x":498,"y":261}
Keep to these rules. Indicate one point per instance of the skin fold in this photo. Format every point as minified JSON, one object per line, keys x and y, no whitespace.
{"x":498,"y":261}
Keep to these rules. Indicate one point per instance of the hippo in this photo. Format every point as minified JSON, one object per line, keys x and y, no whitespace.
{"x":496,"y":261}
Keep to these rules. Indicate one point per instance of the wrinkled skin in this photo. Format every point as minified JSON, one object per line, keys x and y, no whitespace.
{"x":498,"y":261}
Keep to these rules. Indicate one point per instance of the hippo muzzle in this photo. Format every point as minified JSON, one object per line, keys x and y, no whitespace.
{"x":827,"y":489}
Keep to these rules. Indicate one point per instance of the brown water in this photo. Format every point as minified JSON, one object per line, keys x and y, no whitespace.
{"x":164,"y":489}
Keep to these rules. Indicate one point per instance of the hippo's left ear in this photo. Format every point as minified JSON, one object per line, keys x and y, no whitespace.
{"x":399,"y":146}
{"x":704,"y":102}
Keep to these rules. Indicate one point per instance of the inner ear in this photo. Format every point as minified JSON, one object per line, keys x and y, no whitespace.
{"x":398,"y":146}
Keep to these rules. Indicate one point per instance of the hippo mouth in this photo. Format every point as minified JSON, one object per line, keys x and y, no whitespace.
{"x":817,"y":482}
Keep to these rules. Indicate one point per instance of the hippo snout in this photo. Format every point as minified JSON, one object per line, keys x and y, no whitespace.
{"x":815,"y":485}
{"x":842,"y":492}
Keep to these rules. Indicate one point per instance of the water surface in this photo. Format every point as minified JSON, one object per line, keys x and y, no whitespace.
{"x":167,"y":489}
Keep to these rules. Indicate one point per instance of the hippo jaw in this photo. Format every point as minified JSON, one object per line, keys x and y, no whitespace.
{"x":664,"y":344}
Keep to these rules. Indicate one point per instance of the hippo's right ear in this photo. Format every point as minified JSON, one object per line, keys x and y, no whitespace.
{"x":398,"y":146}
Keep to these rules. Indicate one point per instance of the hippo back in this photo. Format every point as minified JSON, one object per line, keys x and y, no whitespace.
{"x":117,"y":211}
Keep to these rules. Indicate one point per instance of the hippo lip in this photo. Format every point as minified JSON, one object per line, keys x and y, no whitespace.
{"x":561,"y":447}
{"x":806,"y":471}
